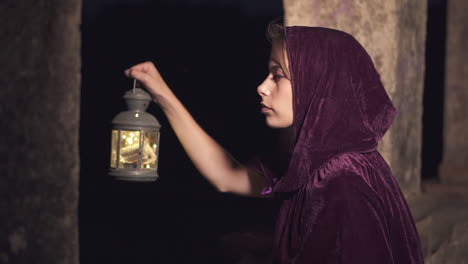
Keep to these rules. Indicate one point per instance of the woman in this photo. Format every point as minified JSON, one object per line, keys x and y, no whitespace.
{"x":339,"y":200}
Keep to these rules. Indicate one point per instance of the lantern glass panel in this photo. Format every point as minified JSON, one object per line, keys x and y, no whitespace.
{"x":150,"y":147}
{"x":115,"y":138}
{"x":129,"y":148}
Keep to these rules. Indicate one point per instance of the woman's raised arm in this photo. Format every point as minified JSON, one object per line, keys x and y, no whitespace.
{"x":213,"y":162}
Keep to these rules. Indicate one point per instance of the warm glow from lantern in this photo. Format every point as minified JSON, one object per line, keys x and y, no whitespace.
{"x":149,"y":157}
{"x":115,"y":138}
{"x":130,"y":150}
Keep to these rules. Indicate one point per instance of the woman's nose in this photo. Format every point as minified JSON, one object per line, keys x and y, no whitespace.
{"x":263,"y":89}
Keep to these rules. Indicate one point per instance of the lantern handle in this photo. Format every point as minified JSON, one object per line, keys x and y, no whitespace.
{"x":134,"y":85}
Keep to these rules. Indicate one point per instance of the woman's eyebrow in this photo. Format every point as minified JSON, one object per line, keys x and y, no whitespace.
{"x":274,"y":67}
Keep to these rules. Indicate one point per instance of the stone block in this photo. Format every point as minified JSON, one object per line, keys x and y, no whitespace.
{"x":454,"y":167}
{"x":39,"y":119}
{"x":453,"y":250}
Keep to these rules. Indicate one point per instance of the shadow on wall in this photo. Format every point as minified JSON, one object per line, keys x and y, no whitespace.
{"x":213,"y":59}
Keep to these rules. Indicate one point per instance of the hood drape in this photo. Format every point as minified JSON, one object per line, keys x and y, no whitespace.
{"x":339,"y":103}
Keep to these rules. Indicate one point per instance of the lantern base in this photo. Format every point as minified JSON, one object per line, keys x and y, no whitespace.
{"x":134,"y":175}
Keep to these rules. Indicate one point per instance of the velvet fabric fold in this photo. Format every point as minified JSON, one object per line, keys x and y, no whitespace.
{"x":339,"y":200}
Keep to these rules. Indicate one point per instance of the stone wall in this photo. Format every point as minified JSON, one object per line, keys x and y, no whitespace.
{"x":393,"y":32}
{"x":454,"y":167}
{"x":39,"y":114}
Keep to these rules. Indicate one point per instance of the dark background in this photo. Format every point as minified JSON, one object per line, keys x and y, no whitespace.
{"x":213,"y":54}
{"x":213,"y":57}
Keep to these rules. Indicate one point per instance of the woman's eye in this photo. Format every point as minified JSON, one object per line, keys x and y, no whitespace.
{"x":276,"y":77}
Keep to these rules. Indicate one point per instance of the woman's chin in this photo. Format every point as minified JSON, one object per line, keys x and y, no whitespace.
{"x":272,"y":123}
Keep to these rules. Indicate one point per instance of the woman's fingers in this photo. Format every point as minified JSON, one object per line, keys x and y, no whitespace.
{"x":147,"y":74}
{"x":141,"y":76}
{"x":154,"y":84}
{"x":147,"y":67}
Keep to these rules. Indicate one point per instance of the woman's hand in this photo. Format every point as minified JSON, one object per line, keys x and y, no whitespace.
{"x":148,"y":75}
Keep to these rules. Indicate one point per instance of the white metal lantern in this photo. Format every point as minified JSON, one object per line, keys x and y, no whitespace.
{"x":135,"y":140}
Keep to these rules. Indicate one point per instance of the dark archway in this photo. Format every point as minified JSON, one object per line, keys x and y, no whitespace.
{"x":433,"y":100}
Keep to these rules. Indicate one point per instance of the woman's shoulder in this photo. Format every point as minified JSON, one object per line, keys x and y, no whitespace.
{"x":354,"y":163}
{"x":348,"y":171}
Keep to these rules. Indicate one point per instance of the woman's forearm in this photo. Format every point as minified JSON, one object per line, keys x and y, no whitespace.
{"x":213,"y":162}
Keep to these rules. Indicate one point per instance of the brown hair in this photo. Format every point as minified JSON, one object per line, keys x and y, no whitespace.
{"x":276,"y":36}
{"x":275,"y":30}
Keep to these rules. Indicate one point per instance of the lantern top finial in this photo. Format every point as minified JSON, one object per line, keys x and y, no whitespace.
{"x":137,"y":99}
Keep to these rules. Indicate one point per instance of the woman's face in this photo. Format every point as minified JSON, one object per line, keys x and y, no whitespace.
{"x":276,"y":90}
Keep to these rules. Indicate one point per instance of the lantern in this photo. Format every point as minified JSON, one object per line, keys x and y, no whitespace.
{"x":135,"y":140}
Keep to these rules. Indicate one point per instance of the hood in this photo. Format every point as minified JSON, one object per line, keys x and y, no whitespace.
{"x":339,"y":102}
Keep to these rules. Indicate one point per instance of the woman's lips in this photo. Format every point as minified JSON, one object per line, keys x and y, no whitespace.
{"x":265,"y":109}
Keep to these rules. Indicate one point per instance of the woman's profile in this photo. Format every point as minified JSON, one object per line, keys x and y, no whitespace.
{"x":340,"y":202}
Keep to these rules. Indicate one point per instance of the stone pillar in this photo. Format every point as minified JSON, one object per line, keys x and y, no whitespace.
{"x":39,"y":121}
{"x":393,"y":32}
{"x":454,"y":167}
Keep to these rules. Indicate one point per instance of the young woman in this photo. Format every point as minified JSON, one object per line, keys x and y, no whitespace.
{"x":339,"y":200}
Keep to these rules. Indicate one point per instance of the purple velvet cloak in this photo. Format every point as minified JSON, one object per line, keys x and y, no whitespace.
{"x":339,"y":200}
